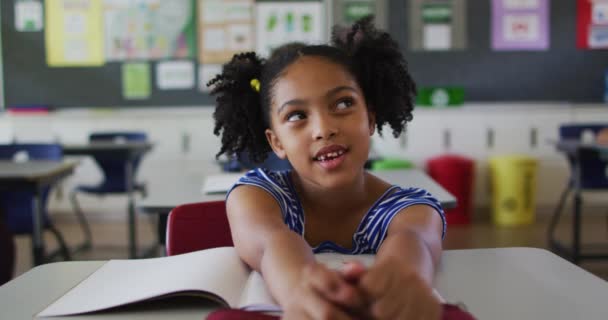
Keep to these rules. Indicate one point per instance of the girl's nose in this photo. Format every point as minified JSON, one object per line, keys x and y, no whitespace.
{"x":325,"y":129}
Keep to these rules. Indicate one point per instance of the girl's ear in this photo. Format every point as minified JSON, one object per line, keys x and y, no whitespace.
{"x":275,"y":144}
{"x":372,"y":122}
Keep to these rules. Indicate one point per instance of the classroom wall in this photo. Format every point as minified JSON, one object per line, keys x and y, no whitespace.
{"x":184,"y":139}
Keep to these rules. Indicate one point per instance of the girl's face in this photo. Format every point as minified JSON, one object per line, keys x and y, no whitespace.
{"x":320,"y":122}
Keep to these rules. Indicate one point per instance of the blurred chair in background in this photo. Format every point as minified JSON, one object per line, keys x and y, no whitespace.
{"x":588,"y":172}
{"x":18,"y":206}
{"x":116,"y":178}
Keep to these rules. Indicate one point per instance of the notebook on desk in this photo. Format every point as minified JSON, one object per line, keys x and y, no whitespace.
{"x":219,"y":183}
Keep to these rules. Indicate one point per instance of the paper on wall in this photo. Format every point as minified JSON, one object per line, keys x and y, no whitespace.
{"x":136,"y":81}
{"x":172,"y":75}
{"x":437,"y":37}
{"x":28,"y":16}
{"x":280,"y":22}
{"x":74,"y":33}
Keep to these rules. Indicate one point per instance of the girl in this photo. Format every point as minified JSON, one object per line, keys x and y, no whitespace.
{"x":317,"y":106}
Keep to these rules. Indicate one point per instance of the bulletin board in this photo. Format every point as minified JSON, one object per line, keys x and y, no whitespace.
{"x":561,"y":73}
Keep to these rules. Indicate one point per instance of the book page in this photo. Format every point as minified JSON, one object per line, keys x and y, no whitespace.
{"x":119,"y":282}
{"x":256,"y":296}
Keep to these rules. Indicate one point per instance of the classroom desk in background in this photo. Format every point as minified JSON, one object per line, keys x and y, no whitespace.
{"x":497,"y":284}
{"x":123,"y":150}
{"x":34,"y":176}
{"x":181,"y":187}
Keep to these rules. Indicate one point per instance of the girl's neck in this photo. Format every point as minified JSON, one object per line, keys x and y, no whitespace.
{"x":338,"y":200}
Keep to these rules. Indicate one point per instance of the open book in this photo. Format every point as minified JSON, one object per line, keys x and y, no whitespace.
{"x":217,"y":274}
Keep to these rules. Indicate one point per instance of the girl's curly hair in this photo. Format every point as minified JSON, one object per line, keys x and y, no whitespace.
{"x":372,"y":56}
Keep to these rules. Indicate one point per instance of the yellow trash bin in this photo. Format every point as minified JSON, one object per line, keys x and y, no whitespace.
{"x":513,"y":189}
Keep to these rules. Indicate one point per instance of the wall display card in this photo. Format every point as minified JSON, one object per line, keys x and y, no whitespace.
{"x":346,"y":12}
{"x":74,"y":33}
{"x":437,"y":25}
{"x":28,"y":16}
{"x":520,"y":25}
{"x":174,"y":75}
{"x":437,"y":29}
{"x":149,"y":29}
{"x":136,"y":81}
{"x":225,"y":28}
{"x":592,"y":24}
{"x":206,"y":72}
{"x":280,"y":22}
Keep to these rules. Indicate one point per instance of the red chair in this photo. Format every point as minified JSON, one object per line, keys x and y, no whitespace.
{"x":198,"y":226}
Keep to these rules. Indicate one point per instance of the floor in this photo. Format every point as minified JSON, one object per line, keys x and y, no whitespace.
{"x":110,"y":239}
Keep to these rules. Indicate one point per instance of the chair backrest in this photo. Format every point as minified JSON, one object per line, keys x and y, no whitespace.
{"x":17,"y":205}
{"x":114,"y":167}
{"x":272,"y":162}
{"x":593,"y":166}
{"x":197,"y":226}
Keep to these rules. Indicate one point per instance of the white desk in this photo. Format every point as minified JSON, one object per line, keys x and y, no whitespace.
{"x":497,"y":284}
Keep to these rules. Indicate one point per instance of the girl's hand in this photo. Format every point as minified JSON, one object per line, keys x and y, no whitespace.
{"x":398,"y":292}
{"x":323,"y":294}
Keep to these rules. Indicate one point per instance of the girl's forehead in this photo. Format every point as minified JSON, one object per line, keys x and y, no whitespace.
{"x":312,"y":73}
{"x":311,"y":65}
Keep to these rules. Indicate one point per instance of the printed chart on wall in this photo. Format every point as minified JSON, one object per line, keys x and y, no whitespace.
{"x":520,"y":25}
{"x":74,"y":33}
{"x":592,"y":24}
{"x":280,"y":22}
{"x":29,"y":16}
{"x":225,"y":27}
{"x":437,"y":25}
{"x":149,"y":29}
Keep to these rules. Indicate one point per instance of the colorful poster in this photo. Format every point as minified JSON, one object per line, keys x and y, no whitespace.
{"x":437,"y":25}
{"x":225,"y":28}
{"x":28,"y":16}
{"x":520,"y":25}
{"x":278,"y":23}
{"x":136,"y":81}
{"x":174,"y":75}
{"x":74,"y":33}
{"x":149,"y":29}
{"x":592,"y":24}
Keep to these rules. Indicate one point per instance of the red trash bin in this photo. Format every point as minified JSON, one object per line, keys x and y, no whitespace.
{"x":456,"y":174}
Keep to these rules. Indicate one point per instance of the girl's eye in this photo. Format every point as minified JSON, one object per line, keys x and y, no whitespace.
{"x":344,"y":104}
{"x":295,"y":116}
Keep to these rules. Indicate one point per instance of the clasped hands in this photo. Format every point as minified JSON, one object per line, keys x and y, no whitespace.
{"x":386,"y":290}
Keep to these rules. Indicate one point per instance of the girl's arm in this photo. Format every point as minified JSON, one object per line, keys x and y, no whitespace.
{"x":399,"y":284}
{"x":267,"y":245}
{"x":414,"y":238}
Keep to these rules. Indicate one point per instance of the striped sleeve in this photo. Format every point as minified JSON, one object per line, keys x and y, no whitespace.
{"x":268,"y":181}
{"x":404,"y":199}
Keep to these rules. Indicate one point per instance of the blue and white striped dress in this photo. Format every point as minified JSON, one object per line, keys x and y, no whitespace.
{"x":371,"y":231}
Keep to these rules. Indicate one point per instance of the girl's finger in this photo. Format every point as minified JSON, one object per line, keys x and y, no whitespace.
{"x":352,"y":271}
{"x":333,"y":287}
{"x":316,"y":307}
